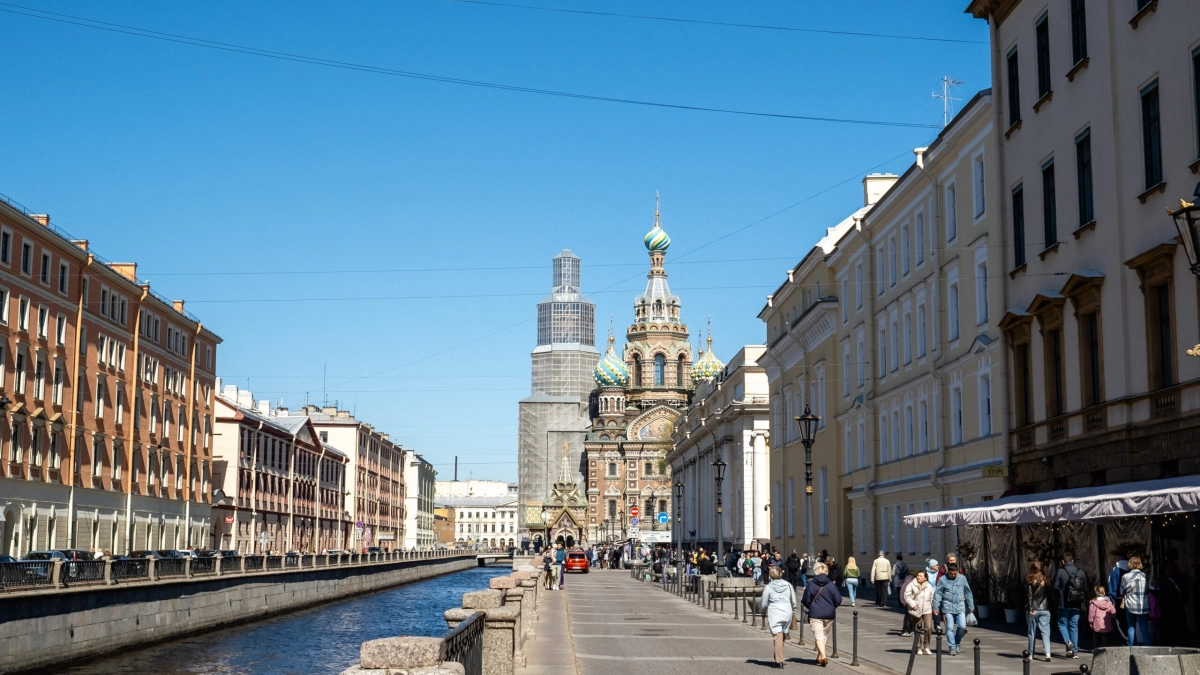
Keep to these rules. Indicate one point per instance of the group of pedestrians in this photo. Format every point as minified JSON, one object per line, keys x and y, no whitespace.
{"x":553,"y":564}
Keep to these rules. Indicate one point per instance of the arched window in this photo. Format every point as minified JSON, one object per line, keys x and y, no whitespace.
{"x":660,"y":368}
{"x":679,"y":372}
{"x":658,"y":309}
{"x":637,"y":370}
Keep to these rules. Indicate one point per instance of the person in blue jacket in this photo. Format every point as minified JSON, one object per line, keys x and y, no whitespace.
{"x":954,"y":601}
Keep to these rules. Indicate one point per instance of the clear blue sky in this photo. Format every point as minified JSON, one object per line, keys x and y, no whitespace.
{"x":204,"y":165}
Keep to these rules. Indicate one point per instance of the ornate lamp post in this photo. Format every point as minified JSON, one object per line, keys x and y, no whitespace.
{"x":1187,"y":221}
{"x":678,"y":519}
{"x":719,"y":475}
{"x":808,"y":430}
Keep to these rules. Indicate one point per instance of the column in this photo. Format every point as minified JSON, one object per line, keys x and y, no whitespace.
{"x":762,"y":469}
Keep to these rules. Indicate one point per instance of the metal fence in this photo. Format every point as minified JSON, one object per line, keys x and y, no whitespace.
{"x":169,"y":567}
{"x":464,"y":644}
{"x":132,"y":569}
{"x":254,"y":563}
{"x":17,"y":576}
{"x":83,"y":572}
{"x":274,"y":562}
{"x":201,"y":566}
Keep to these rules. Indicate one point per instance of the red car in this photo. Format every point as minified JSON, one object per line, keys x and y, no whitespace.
{"x":577,"y":562}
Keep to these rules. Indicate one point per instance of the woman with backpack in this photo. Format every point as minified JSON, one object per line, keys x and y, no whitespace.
{"x":1071,"y":587}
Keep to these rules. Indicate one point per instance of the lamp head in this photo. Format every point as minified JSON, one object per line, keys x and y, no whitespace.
{"x":4,"y":402}
{"x":719,"y":469}
{"x":808,"y":424}
{"x":1187,"y":221}
{"x":679,"y":490}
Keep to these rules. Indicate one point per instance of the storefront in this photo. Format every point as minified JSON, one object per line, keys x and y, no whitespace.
{"x":1154,"y":520}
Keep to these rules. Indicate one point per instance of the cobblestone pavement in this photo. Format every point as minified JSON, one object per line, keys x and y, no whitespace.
{"x":619,"y":625}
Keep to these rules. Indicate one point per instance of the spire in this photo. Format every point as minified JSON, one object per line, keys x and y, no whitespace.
{"x":564,"y":472}
{"x":709,"y":332}
{"x":656,"y":209}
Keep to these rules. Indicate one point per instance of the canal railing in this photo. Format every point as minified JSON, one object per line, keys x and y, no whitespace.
{"x":52,"y":575}
{"x":463,"y":644}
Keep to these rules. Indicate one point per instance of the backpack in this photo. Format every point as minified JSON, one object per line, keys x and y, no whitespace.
{"x":1076,"y":590}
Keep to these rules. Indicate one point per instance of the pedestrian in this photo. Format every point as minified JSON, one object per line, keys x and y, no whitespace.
{"x":881,"y":575}
{"x":953,"y":600}
{"x":908,"y":625}
{"x":918,"y":597}
{"x":851,"y":575}
{"x":1070,"y":586}
{"x":821,"y":598}
{"x":931,"y":571}
{"x":706,"y":565}
{"x":793,"y":568}
{"x":778,"y":604}
{"x":899,"y":576}
{"x":805,"y":569}
{"x":556,"y":568}
{"x":1102,"y":617}
{"x":547,"y":567}
{"x":1037,"y":604}
{"x":1135,"y":600}
{"x":756,"y":567}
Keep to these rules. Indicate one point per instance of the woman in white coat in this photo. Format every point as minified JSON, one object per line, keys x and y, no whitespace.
{"x":779,"y":604}
{"x":918,"y":598}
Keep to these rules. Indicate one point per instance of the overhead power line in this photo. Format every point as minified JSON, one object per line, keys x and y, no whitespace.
{"x":726,"y":24}
{"x":379,"y":70}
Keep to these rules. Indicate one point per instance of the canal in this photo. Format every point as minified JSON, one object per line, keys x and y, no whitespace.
{"x":321,"y":640}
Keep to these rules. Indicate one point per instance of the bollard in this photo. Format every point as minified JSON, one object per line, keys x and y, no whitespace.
{"x":800,"y":626}
{"x":1025,"y":662}
{"x":834,"y":654}
{"x":1083,"y":668}
{"x":938,"y":654}
{"x":723,"y":601}
{"x":742,"y":602}
{"x":912,"y":655}
{"x":854,"y":654}
{"x":976,"y":656}
{"x":735,"y":605}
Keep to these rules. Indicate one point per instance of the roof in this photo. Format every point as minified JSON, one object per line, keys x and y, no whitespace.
{"x":482,"y":502}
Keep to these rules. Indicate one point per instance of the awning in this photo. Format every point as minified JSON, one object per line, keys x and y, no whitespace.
{"x":1107,"y":502}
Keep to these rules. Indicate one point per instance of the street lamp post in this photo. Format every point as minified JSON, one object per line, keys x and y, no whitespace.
{"x":719,"y":475}
{"x":808,"y":430}
{"x":1187,"y":221}
{"x":678,"y":521}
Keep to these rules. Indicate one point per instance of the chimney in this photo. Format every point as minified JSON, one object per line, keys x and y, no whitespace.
{"x":282,"y":411}
{"x":245,"y":399}
{"x":876,"y":185}
{"x":178,"y":305}
{"x":264,"y":407}
{"x":329,"y":410}
{"x":81,"y":244}
{"x":127,"y":270}
{"x":43,"y":218}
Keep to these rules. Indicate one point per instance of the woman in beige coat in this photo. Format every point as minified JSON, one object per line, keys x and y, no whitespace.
{"x":918,"y":598}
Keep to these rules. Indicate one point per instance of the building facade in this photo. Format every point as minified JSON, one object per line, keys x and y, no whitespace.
{"x":374,"y":475}
{"x":444,"y":525}
{"x":638,"y":399}
{"x":483,"y":522}
{"x":556,"y":411}
{"x":473,"y":487}
{"x":728,"y":419}
{"x":419,"y":481}
{"x":278,"y":488}
{"x":107,"y":395}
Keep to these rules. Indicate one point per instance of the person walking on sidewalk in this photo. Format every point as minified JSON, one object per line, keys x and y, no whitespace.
{"x":953,"y":600}
{"x":918,"y":597}
{"x":821,"y":598}
{"x":1070,"y":587}
{"x":852,"y":574}
{"x":793,"y":568}
{"x":1135,"y":599}
{"x":908,"y":625}
{"x":881,"y":575}
{"x":779,"y":606}
{"x":560,"y":556}
{"x":899,"y":576}
{"x":1102,"y":618}
{"x":1037,"y":603}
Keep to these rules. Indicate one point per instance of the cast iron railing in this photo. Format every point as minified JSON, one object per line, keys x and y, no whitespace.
{"x":464,"y":644}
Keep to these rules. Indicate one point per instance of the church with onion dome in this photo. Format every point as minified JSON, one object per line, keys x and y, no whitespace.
{"x":641,"y":391}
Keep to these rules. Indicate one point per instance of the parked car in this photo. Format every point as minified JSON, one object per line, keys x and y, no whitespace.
{"x":231,"y":553}
{"x":7,"y":558}
{"x":334,"y":551}
{"x":145,"y":554}
{"x":577,"y":562}
{"x":183,"y":553}
{"x":374,"y":549}
{"x":64,"y":554}
{"x":171,"y":553}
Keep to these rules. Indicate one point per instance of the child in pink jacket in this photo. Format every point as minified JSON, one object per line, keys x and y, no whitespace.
{"x":1101,"y":615}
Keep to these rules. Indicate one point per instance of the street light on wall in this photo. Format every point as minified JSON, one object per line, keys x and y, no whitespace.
{"x":719,"y":475}
{"x":1187,"y":221}
{"x":808,"y":430}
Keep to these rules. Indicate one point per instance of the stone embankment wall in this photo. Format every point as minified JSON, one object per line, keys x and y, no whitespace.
{"x":45,"y":628}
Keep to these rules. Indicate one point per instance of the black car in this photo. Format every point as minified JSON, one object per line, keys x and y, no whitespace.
{"x":7,"y":558}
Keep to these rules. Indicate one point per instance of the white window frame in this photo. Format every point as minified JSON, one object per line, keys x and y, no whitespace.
{"x":951,"y":212}
{"x":919,"y":230}
{"x":905,"y":250}
{"x":956,"y":421}
{"x":60,"y":330}
{"x":986,"y":412}
{"x":979,"y":185}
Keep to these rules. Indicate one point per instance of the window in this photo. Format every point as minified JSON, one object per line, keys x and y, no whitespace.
{"x":1018,"y":223}
{"x":1162,"y":367}
{"x":883,"y":438}
{"x":895,"y":346}
{"x":891,"y":251}
{"x":791,"y":507}
{"x":1078,"y":31}
{"x":83,"y":290}
{"x":19,"y":372}
{"x":981,"y":293}
{"x":862,"y":444}
{"x":956,"y":420}
{"x":1089,"y":329}
{"x":923,"y":424}
{"x":847,"y":448}
{"x":97,"y":456}
{"x":63,"y":275}
{"x":637,"y":370}
{"x":980,"y":182}
{"x":612,"y":469}
{"x":909,"y":432}
{"x":904,"y":250}
{"x":14,"y":443}
{"x":896,"y":442}
{"x":920,"y":220}
{"x":908,"y":339}
{"x":1195,"y":95}
{"x":882,"y":347}
{"x":660,"y":368}
{"x":1083,"y":177}
{"x":43,"y":320}
{"x":3,"y":307}
{"x":58,"y":383}
{"x":27,"y":258}
{"x":60,"y":330}
{"x":861,"y":364}
{"x":678,"y":371}
{"x":985,"y":405}
{"x":99,"y":396}
{"x":858,"y":283}
{"x":843,"y":301}
{"x":101,"y":349}
{"x":1022,"y":385}
{"x":879,"y":272}
{"x":1049,"y":206}
{"x":1042,"y":35}
{"x":39,"y":379}
{"x":951,"y":212}
{"x":846,"y":370}
{"x":1151,"y":136}
{"x":23,"y":315}
{"x":5,"y":247}
{"x":1014,"y":83}
{"x":920,"y":331}
{"x":44,"y":272}
{"x":1054,"y":377}
{"x":952,"y":310}
{"x":823,"y":495}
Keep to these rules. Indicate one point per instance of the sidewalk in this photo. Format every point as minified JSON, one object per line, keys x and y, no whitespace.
{"x":550,"y":652}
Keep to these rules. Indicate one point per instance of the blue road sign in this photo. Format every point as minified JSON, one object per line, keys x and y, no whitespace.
{"x":633,"y":522}
{"x":662,"y":517}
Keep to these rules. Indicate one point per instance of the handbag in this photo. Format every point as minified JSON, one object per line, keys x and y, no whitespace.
{"x":971,"y":620}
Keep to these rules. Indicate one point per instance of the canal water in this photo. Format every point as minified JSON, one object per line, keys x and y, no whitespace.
{"x":322,"y":640}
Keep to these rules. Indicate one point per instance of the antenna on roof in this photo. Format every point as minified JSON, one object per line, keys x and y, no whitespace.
{"x":947,"y":99}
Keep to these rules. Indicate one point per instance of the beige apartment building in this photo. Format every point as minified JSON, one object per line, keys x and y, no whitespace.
{"x":106,"y":392}
{"x":919,"y":424}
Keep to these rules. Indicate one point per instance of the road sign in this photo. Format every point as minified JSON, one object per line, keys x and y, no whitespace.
{"x":663,"y":517}
{"x":633,"y":522}
{"x":633,"y":532}
{"x":634,"y":512}
{"x":358,"y":525}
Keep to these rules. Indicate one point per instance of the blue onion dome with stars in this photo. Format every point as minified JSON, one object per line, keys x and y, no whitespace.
{"x":709,"y":366}
{"x":611,"y":371}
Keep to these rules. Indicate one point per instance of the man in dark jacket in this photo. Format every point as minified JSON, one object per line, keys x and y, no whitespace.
{"x":706,"y":565}
{"x":899,"y":576}
{"x":821,"y":598}
{"x":793,"y":569}
{"x":1071,"y":589}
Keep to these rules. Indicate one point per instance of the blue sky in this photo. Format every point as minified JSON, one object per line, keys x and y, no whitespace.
{"x":280,"y":198}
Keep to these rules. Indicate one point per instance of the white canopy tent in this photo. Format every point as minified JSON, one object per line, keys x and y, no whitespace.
{"x":1090,"y":504}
